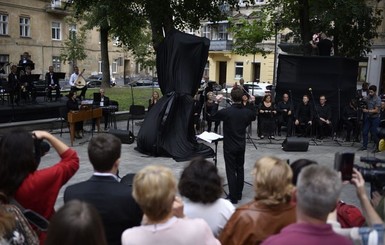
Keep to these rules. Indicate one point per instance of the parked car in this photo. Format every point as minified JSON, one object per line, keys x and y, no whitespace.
{"x":95,"y":81}
{"x":147,"y":83}
{"x":256,"y":89}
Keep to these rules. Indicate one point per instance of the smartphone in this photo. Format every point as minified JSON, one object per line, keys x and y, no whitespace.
{"x":343,"y":162}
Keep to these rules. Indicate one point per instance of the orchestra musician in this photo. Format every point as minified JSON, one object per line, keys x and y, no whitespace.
{"x":351,"y":116}
{"x":324,"y":115}
{"x":303,"y":116}
{"x":25,"y":62}
{"x":27,"y":86}
{"x":14,"y":85}
{"x":77,"y":82}
{"x":211,"y":109}
{"x":285,"y":114}
{"x":52,"y":81}
{"x":73,"y":105}
{"x":267,"y":113}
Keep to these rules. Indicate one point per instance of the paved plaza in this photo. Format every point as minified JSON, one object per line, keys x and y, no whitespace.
{"x":132,"y":160}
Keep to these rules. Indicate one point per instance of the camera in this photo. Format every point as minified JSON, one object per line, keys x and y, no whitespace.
{"x":362,"y":104}
{"x":40,"y":149}
{"x":373,"y":174}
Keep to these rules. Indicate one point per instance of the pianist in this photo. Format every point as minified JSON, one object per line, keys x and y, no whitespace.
{"x":104,"y":102}
{"x":73,"y":105}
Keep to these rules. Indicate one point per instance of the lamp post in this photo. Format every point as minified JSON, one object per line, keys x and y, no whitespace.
{"x":276,"y":25}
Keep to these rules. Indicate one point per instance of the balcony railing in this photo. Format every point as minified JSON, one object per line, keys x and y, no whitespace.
{"x":59,"y":7}
{"x":221,"y":45}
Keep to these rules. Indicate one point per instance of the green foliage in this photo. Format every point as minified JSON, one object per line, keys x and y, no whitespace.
{"x":73,"y":48}
{"x":352,"y":23}
{"x":248,"y":34}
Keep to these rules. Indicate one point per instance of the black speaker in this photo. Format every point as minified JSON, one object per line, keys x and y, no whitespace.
{"x":295,"y":144}
{"x":126,"y":136}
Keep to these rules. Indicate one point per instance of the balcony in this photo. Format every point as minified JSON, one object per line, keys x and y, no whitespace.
{"x":59,"y":7}
{"x":221,"y":45}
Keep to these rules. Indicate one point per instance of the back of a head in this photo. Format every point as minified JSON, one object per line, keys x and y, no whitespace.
{"x":373,"y":88}
{"x":236,"y":94}
{"x":318,"y":190}
{"x":297,"y":167}
{"x":200,"y":181}
{"x":272,"y":181}
{"x":154,"y":189}
{"x":14,"y":166}
{"x":103,"y":151}
{"x":76,"y":223}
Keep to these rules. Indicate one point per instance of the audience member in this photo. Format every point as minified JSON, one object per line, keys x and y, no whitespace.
{"x":271,"y":209}
{"x":201,"y":188}
{"x":34,"y":189}
{"x":113,"y":200}
{"x":297,"y":167}
{"x":76,"y":223}
{"x":317,"y":194}
{"x":155,"y":191}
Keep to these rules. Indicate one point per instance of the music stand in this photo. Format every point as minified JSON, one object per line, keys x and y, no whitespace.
{"x":211,"y":137}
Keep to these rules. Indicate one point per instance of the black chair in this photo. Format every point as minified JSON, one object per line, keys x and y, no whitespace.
{"x":63,"y":111}
{"x":113,"y":107}
{"x":137,"y":112}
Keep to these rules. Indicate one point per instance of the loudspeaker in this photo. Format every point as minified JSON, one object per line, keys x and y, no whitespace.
{"x":126,"y":136}
{"x":295,"y":144}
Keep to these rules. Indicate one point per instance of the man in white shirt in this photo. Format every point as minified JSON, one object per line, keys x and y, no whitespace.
{"x":75,"y":85}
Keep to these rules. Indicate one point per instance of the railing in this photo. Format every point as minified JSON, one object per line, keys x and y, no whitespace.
{"x":220,"y":45}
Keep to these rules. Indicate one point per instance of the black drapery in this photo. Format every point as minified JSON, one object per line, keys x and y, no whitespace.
{"x":334,"y":77}
{"x":168,"y":128}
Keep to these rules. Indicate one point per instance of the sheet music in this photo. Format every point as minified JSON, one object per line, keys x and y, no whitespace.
{"x":209,"y":136}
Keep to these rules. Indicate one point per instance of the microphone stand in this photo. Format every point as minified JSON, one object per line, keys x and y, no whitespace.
{"x":315,"y":109}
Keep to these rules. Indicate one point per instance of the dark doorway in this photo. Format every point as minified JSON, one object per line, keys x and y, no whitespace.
{"x":256,"y":72}
{"x":126,"y":71}
{"x":382,"y":76}
{"x":222,"y":72}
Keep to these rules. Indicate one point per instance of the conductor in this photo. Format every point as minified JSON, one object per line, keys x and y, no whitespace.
{"x":235,"y":121}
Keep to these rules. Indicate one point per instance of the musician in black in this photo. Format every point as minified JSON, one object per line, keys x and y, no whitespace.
{"x":24,"y":63}
{"x":235,"y":121}
{"x":104,"y":103}
{"x":303,"y":116}
{"x":14,"y":85}
{"x":77,"y":83}
{"x":52,"y":82}
{"x":27,"y":85}
{"x":73,"y":105}
{"x":267,"y":114}
{"x":351,"y":116}
{"x":211,"y":109}
{"x":323,"y":117}
{"x":285,"y":114}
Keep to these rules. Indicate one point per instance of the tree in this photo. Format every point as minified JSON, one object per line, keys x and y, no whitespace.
{"x":73,"y":48}
{"x":248,"y":34}
{"x":352,"y":23}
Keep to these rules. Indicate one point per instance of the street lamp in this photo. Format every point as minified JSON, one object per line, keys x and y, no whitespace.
{"x":277,"y":23}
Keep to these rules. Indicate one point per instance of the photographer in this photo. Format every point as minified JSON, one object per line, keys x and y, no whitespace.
{"x":37,"y":190}
{"x":371,"y":118}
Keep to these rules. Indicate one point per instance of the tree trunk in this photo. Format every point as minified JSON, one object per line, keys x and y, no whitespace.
{"x":304,"y":23}
{"x":105,"y":58}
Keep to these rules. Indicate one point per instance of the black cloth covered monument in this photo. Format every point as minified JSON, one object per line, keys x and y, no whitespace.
{"x":168,"y":129}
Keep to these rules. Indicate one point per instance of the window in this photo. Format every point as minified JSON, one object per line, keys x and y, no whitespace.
{"x":56,"y":3}
{"x":56,"y":31}
{"x":222,"y":32}
{"x":56,"y":63}
{"x":100,"y":67}
{"x":206,"y":70}
{"x":206,"y":31}
{"x":238,"y":70}
{"x":4,"y":60}
{"x":114,"y":67}
{"x":3,"y":24}
{"x":25,"y":27}
{"x":362,"y":70}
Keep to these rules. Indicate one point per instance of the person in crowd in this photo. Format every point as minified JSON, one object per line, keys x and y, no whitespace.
{"x":73,"y":105}
{"x":297,"y":166}
{"x":351,"y":118}
{"x":235,"y":121}
{"x":271,"y":209}
{"x":363,"y":92}
{"x":201,"y":188}
{"x":154,"y":99}
{"x":76,"y":223}
{"x":104,"y":102}
{"x":324,"y":45}
{"x":323,"y":118}
{"x":77,"y":83}
{"x":154,"y":189}
{"x":371,"y":118}
{"x":317,"y":194}
{"x":35,"y":189}
{"x":52,"y":82}
{"x":14,"y":84}
{"x":285,"y":112}
{"x":244,"y":86}
{"x":267,"y":114}
{"x":303,"y":116}
{"x":113,"y":200}
{"x":211,"y":109}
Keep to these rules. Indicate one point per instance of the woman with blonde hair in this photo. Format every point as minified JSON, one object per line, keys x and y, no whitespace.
{"x":269,"y":212}
{"x":154,"y":189}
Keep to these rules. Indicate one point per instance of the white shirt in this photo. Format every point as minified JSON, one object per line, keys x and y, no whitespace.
{"x":73,"y":78}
